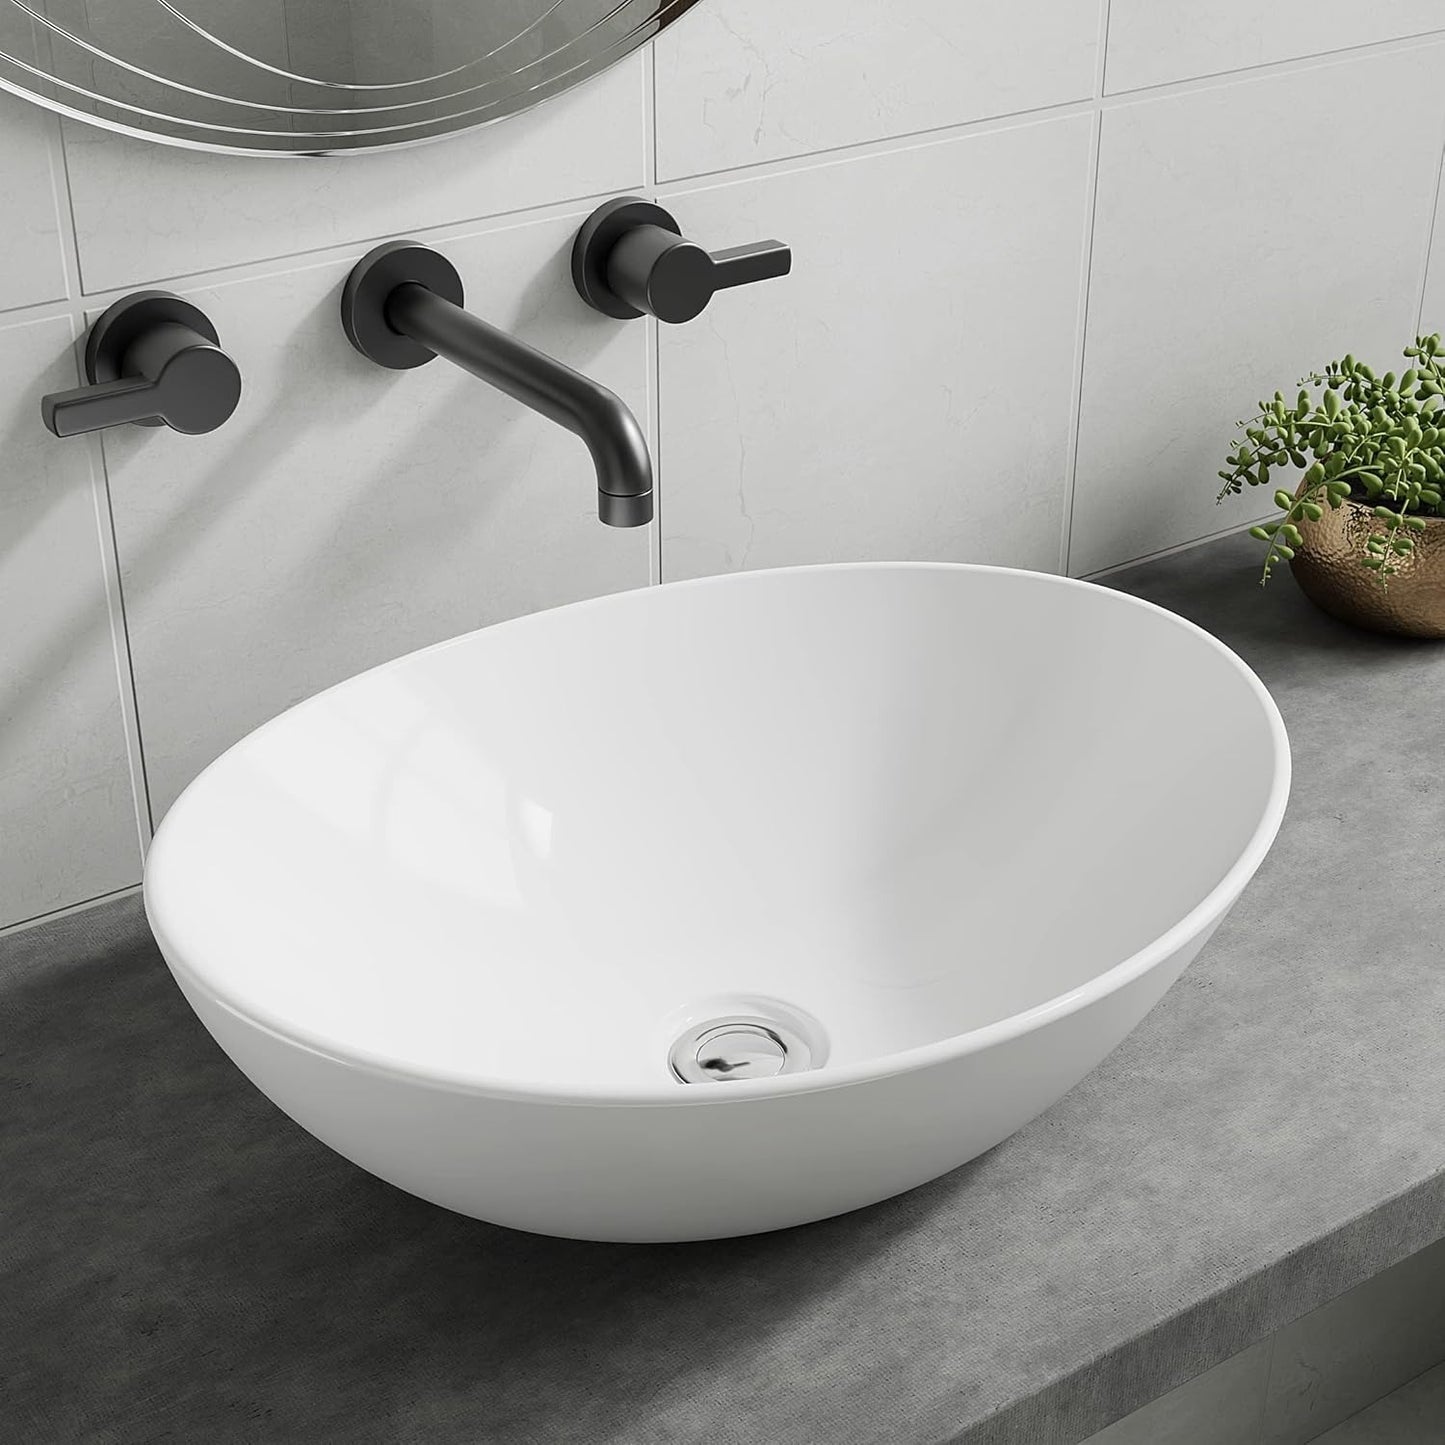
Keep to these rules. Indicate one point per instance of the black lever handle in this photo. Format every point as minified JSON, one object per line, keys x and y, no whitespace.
{"x":630,"y":258}
{"x":152,"y":359}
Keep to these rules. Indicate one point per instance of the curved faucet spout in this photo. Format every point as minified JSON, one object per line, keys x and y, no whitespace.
{"x":402,"y":307}
{"x":588,"y":410}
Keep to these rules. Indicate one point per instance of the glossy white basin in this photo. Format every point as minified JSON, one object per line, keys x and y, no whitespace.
{"x":952,"y":830}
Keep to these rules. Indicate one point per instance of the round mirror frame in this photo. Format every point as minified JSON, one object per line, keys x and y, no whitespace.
{"x":251,"y":106}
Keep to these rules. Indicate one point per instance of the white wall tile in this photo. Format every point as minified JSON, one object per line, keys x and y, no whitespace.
{"x":1152,"y":42}
{"x":145,"y":211}
{"x":906,"y":392}
{"x":67,"y":813}
{"x":741,"y":81}
{"x":30,"y":265}
{"x":347,"y":514}
{"x":1224,"y":268}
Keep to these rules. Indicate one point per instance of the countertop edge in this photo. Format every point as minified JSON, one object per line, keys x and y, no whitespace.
{"x":1128,"y":1377}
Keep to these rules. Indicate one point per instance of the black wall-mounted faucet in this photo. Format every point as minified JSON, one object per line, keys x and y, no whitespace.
{"x":153,"y":360}
{"x":630,"y":259}
{"x":402,"y":307}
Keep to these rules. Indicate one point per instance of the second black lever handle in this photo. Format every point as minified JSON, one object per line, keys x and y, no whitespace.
{"x":631,"y":259}
{"x":152,"y":359}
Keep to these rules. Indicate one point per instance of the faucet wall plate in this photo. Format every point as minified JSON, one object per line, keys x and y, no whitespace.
{"x":597,"y":238}
{"x":151,"y":359}
{"x":369,"y":287}
{"x":122,"y":323}
{"x":631,"y":259}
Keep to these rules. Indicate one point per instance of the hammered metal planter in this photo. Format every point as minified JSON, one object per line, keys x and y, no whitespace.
{"x":1330,"y":573}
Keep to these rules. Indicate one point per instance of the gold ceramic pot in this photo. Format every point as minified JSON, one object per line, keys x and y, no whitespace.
{"x":1330,"y":573}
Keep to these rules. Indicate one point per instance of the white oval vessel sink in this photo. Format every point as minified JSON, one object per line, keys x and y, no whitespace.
{"x":721,"y":906}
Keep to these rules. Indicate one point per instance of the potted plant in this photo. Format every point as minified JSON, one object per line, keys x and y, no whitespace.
{"x":1364,"y":530}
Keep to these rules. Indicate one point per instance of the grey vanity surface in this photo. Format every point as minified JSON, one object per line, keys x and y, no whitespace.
{"x":179,"y":1262}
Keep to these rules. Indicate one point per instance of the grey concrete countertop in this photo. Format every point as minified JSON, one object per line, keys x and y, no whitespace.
{"x":180,"y":1262}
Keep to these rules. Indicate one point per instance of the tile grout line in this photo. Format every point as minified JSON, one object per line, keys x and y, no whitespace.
{"x":1429,"y":245}
{"x":1101,"y":74}
{"x":1273,"y":1342}
{"x":32,"y":311}
{"x":784,"y":165}
{"x":652,"y":341}
{"x":43,"y":54}
{"x":1233,"y":530}
{"x":1083,"y":104}
{"x":649,"y":116}
{"x":1214,"y":79}
{"x":338,"y":252}
{"x":108,"y":546}
{"x":654,"y":426}
{"x":70,"y":232}
{"x":1086,"y":278}
{"x":788,"y":165}
{"x":124,"y":656}
{"x":39,"y":920}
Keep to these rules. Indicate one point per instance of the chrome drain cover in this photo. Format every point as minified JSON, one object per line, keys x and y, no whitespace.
{"x":739,"y":1047}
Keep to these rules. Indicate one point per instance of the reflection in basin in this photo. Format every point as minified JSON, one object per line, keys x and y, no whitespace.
{"x":721,"y":906}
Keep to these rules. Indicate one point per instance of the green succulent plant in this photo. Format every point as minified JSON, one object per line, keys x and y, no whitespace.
{"x":1377,"y":440}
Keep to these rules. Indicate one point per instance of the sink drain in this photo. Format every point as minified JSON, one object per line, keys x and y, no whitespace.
{"x":739,"y":1047}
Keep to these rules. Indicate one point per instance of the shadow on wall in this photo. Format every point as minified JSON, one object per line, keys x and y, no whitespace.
{"x":250,"y":455}
{"x":28,"y":681}
{"x":183,"y":1262}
